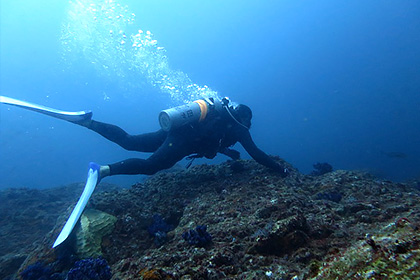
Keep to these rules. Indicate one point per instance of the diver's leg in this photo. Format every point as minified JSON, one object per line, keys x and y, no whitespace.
{"x":171,"y":151}
{"x":148,"y":142}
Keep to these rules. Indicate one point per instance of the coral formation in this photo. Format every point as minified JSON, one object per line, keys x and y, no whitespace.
{"x":393,"y":253}
{"x":37,"y":271}
{"x":94,"y":225}
{"x":90,"y":269}
{"x":198,"y":237}
{"x":330,"y":195}
{"x":158,"y":230}
{"x":153,"y":274}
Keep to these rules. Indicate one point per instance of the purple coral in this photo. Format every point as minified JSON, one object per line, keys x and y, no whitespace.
{"x":36,"y":271}
{"x":90,"y":269}
{"x":198,"y":237}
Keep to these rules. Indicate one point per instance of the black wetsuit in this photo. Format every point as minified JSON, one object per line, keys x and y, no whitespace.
{"x":214,"y":135}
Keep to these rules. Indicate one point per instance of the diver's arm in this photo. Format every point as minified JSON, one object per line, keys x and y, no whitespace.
{"x":259,"y":156}
{"x":233,"y":154}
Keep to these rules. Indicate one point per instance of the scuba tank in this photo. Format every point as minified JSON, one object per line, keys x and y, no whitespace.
{"x":190,"y":113}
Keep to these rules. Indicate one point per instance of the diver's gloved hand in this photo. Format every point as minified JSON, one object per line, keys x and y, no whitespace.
{"x":233,"y":154}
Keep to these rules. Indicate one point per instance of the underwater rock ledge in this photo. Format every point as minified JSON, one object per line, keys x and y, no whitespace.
{"x":344,"y":224}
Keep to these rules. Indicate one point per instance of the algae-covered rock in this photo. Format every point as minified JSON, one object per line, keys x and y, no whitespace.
{"x":94,"y":225}
{"x":9,"y":264}
{"x":394,"y":253}
{"x":281,"y":237}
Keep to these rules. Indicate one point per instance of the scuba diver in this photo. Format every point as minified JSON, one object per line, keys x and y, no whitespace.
{"x":199,"y":129}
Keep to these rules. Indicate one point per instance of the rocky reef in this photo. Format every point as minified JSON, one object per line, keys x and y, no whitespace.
{"x":228,"y":221}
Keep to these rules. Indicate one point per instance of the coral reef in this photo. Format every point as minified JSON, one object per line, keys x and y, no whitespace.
{"x":10,"y":263}
{"x":38,"y":271}
{"x":159,"y":229}
{"x":198,"y":237}
{"x":94,"y":225}
{"x":393,"y":253}
{"x":330,"y":195}
{"x":332,"y":226}
{"x":86,"y":269}
{"x":90,"y":269}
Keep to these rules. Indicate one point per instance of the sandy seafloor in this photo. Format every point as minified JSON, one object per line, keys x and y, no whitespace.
{"x":340,"y":225}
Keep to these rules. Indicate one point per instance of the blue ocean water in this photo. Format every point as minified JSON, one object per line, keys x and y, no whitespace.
{"x":328,"y":81}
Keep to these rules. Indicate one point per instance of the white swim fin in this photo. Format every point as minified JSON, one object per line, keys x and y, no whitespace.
{"x":63,"y":115}
{"x":91,"y":182}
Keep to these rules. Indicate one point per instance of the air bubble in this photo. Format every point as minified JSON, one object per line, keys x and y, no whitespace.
{"x":145,"y":59}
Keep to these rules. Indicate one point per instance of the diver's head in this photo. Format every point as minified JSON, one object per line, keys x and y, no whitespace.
{"x":243,"y":114}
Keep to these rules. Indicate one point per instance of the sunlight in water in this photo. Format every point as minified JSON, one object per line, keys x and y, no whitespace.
{"x":97,"y":31}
